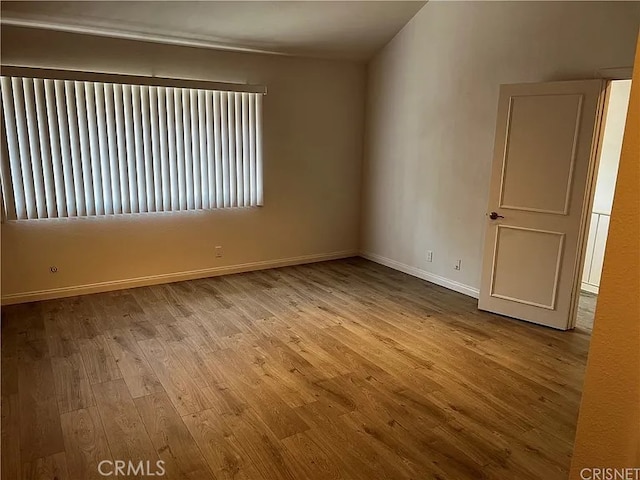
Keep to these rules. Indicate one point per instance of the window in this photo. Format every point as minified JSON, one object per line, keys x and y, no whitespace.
{"x":74,"y":148}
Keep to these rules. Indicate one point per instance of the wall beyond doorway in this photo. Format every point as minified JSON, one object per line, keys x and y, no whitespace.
{"x":605,"y":183}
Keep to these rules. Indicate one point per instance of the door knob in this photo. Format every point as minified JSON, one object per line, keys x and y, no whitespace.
{"x":495,"y":216}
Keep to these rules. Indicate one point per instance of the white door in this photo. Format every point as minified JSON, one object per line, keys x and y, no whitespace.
{"x":540,"y":187}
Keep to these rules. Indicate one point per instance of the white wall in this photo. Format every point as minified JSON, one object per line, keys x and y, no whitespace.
{"x":605,"y":183}
{"x":431,"y":112}
{"x":611,"y":145}
{"x":313,"y":124}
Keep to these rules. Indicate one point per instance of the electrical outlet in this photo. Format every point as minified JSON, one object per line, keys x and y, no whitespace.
{"x":218,"y":251}
{"x":429,"y":256}
{"x":457,"y":265}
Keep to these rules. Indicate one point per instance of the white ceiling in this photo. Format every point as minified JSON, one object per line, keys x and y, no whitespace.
{"x":334,"y":29}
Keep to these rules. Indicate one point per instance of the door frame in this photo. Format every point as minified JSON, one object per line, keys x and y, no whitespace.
{"x":607,"y":75}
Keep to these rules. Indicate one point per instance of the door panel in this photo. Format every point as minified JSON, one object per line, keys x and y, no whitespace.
{"x":555,"y":119}
{"x":541,"y":168}
{"x":541,"y":264}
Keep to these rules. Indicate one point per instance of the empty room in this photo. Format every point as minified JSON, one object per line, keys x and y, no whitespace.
{"x":295,"y":240}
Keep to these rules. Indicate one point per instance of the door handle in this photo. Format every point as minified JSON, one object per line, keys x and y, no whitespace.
{"x":495,"y":216}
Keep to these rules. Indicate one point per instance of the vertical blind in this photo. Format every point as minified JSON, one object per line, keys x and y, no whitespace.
{"x":81,"y":148}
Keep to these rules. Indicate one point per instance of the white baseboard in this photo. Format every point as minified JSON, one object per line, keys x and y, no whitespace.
{"x":587,"y":287}
{"x":423,"y":274}
{"x":74,"y":290}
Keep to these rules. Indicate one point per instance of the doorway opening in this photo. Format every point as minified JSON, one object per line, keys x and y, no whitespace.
{"x":605,"y":182}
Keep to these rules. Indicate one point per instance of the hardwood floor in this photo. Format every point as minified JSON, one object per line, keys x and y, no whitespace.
{"x":336,"y":370}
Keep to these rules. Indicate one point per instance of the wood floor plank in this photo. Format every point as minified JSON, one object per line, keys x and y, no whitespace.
{"x":198,"y":336}
{"x":115,"y":310}
{"x":142,"y":330}
{"x":216,"y":441}
{"x":309,"y":461}
{"x":366,"y":461}
{"x":72,"y":385}
{"x":134,"y":367}
{"x":9,"y":368}
{"x":47,"y":468}
{"x":259,"y":445}
{"x":303,"y":345}
{"x":40,"y":431}
{"x":285,"y":372}
{"x":62,"y":345}
{"x":65,"y":323}
{"x":187,"y":353}
{"x":220,"y":324}
{"x":406,"y":452}
{"x":126,"y":435}
{"x":154,"y":310}
{"x":224,"y":401}
{"x":85,"y":443}
{"x":185,"y":395}
{"x":11,"y":459}
{"x":273,"y":411}
{"x":98,"y":360}
{"x":171,"y":438}
{"x":336,"y":370}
